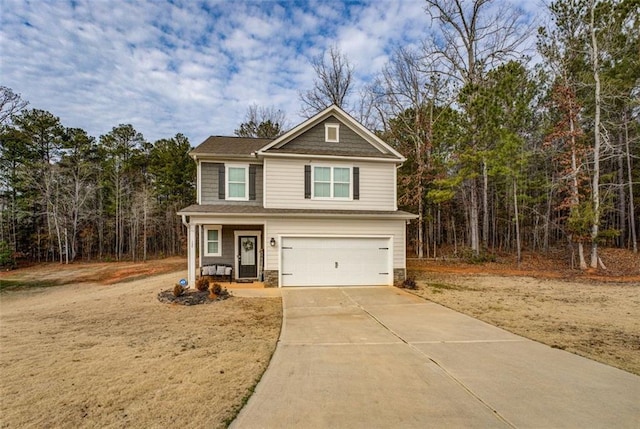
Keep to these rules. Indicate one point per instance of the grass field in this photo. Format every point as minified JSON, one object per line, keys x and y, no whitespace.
{"x":593,"y":318}
{"x":95,"y":355}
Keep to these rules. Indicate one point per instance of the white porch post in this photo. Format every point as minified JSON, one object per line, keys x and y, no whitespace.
{"x":200,"y":232}
{"x":191,"y":255}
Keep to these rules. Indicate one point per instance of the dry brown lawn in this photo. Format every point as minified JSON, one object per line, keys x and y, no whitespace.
{"x":597,"y":320}
{"x":100,"y":352}
{"x":97,"y":355}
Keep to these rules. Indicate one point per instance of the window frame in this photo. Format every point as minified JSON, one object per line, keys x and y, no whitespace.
{"x":331,"y":182}
{"x":206,"y":240}
{"x":334,"y":182}
{"x":314,"y":181}
{"x":327,"y":127}
{"x":228,"y":182}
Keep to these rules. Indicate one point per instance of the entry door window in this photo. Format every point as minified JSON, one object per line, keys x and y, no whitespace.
{"x":248,"y":256}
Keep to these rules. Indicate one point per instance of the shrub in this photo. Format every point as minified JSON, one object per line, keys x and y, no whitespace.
{"x":202,"y":284}
{"x":409,"y":283}
{"x":215,"y":289}
{"x":217,"y":292}
{"x":178,"y":290}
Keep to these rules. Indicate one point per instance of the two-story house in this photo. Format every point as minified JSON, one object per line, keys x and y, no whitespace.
{"x":316,"y":206}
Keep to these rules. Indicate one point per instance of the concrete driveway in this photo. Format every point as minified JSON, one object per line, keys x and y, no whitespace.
{"x":379,"y":357}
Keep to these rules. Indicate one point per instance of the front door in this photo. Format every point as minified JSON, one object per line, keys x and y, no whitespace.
{"x":248,"y":257}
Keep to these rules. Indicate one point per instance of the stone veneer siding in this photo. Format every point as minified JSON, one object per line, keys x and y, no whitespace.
{"x":399,"y":275}
{"x":271,"y":278}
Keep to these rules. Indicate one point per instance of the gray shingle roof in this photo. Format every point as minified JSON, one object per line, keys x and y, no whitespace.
{"x":233,"y":146}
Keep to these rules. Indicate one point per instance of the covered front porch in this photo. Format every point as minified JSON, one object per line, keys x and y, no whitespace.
{"x":225,"y":251}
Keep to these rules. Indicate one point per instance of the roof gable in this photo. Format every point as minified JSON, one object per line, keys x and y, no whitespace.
{"x":313,"y":142}
{"x":308,"y":138}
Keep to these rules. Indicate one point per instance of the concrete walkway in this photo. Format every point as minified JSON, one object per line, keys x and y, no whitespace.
{"x":382,"y":358}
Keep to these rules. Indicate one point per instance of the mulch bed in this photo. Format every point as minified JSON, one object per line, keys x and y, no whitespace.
{"x":191,"y":297}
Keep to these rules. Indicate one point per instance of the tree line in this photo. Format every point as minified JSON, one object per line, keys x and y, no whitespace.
{"x":504,"y":153}
{"x":67,"y":196}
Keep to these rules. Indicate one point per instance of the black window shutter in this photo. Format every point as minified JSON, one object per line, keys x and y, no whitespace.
{"x":307,"y":181}
{"x":252,"y":182}
{"x":356,"y":183}
{"x":221,"y":184}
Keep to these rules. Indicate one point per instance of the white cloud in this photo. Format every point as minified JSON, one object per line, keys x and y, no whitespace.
{"x":189,"y":67}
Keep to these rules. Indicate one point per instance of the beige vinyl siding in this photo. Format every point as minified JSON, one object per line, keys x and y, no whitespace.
{"x":209,"y":184}
{"x":335,"y":227}
{"x":285,"y":185}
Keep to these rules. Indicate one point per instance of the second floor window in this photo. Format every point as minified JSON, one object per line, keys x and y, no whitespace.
{"x":331,"y":182}
{"x":237,"y":183}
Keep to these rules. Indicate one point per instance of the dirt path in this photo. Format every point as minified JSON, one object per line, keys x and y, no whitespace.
{"x":55,"y":274}
{"x":96,"y":355}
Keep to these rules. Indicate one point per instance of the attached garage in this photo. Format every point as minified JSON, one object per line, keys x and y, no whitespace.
{"x":336,"y":261}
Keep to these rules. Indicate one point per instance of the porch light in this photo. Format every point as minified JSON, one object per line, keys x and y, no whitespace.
{"x":272,"y":242}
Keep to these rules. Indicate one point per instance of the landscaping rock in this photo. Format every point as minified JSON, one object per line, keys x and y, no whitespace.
{"x":191,"y":297}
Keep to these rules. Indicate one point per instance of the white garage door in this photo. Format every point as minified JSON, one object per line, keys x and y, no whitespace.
{"x":336,"y":261}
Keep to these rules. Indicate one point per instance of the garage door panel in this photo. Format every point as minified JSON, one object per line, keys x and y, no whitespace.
{"x":317,"y":261}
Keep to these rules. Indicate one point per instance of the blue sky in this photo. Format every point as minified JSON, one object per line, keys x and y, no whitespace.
{"x":187,"y":66}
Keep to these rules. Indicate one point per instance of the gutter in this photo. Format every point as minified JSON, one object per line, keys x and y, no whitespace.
{"x":385,"y":216}
{"x":213,"y":157}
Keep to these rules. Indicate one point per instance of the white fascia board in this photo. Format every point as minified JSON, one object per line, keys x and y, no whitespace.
{"x":198,"y":217}
{"x":204,"y":219}
{"x":331,"y":157}
{"x":396,"y":216}
{"x":221,"y":157}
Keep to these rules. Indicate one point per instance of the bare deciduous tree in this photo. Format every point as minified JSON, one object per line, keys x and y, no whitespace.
{"x":10,"y":104}
{"x":406,"y":92}
{"x":595,"y":187}
{"x":263,"y":122}
{"x":473,"y":39}
{"x":332,"y":84}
